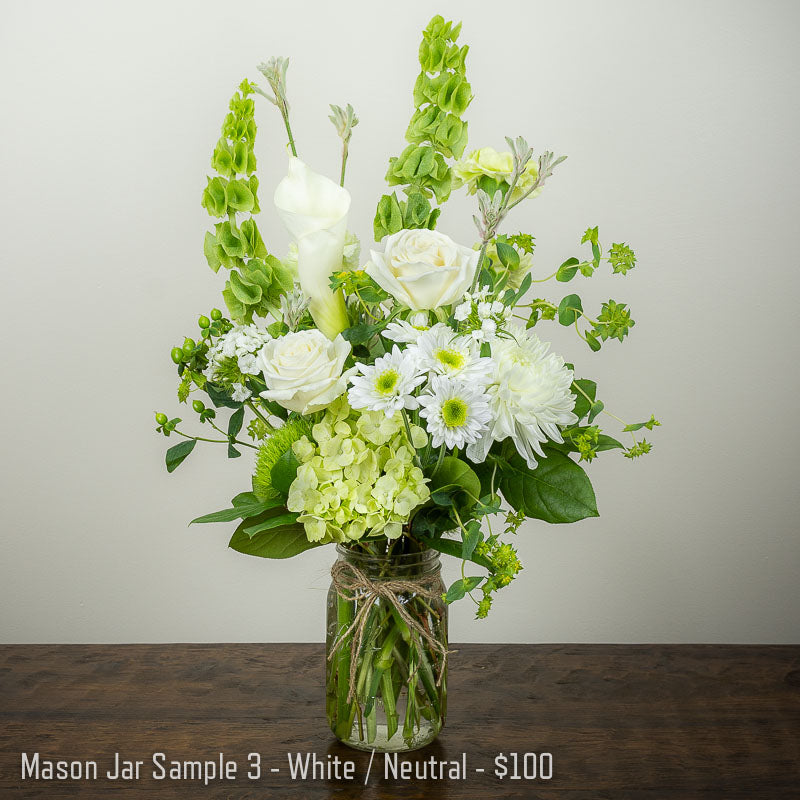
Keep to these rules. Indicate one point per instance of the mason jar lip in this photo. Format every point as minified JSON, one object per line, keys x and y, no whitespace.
{"x":426,"y":556}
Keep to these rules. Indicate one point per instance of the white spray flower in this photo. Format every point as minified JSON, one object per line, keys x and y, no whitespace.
{"x":388,"y":384}
{"x":441,"y":351}
{"x":407,"y":331}
{"x":529,"y":397}
{"x":456,"y":413}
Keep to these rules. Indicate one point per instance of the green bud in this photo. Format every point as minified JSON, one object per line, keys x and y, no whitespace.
{"x":177,"y":355}
{"x":216,"y":313}
{"x":198,"y":406}
{"x":203,"y":322}
{"x":161,"y":419}
{"x":188,"y":346}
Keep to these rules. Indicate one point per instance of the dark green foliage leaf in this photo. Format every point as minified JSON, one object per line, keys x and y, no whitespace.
{"x":566,"y":272}
{"x":596,"y":408}
{"x":557,"y":491}
{"x":241,"y":510}
{"x":177,"y":453}
{"x":569,"y":309}
{"x":454,"y":472}
{"x":470,"y":538}
{"x":235,"y":422}
{"x":361,"y":333}
{"x":284,"y":472}
{"x":220,"y":398}
{"x":232,"y":451}
{"x":270,"y":522}
{"x":508,"y":256}
{"x":592,"y":341}
{"x":283,"y":542}
{"x":582,"y":405}
{"x":459,"y":589}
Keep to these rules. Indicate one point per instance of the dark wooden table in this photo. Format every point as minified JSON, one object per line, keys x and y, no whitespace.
{"x":653,"y":722}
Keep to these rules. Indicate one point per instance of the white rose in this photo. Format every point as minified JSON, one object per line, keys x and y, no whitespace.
{"x":423,"y":269}
{"x":314,"y":210}
{"x":303,"y":370}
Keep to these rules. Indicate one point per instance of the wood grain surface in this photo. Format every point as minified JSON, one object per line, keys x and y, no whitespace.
{"x":622,"y":722}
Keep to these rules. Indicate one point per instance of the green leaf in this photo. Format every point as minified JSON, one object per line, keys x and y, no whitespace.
{"x":284,"y":542}
{"x":508,"y":256}
{"x":278,"y":521}
{"x":176,"y":454}
{"x":470,"y":538}
{"x":582,"y":405}
{"x":361,"y":333}
{"x":557,"y":491}
{"x":569,"y":309}
{"x":463,"y":585}
{"x":220,"y":398}
{"x":566,"y":272}
{"x":232,"y":451}
{"x":596,"y":408}
{"x":242,"y":510}
{"x":455,"y":472}
{"x":284,"y":472}
{"x":235,"y":422}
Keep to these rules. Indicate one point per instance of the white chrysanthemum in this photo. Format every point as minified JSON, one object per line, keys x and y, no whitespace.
{"x":407,"y":331}
{"x":388,"y":384}
{"x":529,"y":397}
{"x":441,"y":351}
{"x":456,"y":413}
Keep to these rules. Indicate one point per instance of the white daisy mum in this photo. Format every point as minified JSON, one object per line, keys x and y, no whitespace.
{"x":407,"y":331}
{"x":388,"y":384}
{"x":529,"y":397}
{"x":456,"y":413}
{"x":441,"y":351}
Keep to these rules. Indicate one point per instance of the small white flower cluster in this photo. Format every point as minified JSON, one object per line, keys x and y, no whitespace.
{"x":520,"y":392}
{"x":481,"y":316}
{"x":242,"y":343}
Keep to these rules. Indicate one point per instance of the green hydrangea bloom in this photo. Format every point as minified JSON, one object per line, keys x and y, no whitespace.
{"x":357,"y":475}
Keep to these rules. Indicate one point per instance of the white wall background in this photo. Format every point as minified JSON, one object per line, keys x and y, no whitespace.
{"x":681,"y":122}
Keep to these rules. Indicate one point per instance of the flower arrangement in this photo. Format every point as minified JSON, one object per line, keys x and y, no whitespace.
{"x":402,"y":402}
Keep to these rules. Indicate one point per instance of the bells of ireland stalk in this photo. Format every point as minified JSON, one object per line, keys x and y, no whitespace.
{"x":314,"y":210}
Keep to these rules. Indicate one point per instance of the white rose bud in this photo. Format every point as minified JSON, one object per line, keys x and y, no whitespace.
{"x":303,"y":370}
{"x":423,"y":269}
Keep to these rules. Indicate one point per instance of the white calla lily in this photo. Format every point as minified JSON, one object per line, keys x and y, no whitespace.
{"x":314,"y":210}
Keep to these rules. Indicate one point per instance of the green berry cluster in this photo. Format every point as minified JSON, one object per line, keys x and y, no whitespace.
{"x":436,"y":132}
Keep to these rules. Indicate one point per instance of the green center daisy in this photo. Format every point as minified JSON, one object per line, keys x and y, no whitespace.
{"x":386,"y":382}
{"x":451,"y":359}
{"x":454,"y":412}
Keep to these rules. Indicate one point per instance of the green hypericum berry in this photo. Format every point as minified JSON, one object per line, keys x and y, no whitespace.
{"x":161,"y":419}
{"x":203,"y":322}
{"x":188,"y":346}
{"x":216,"y":313}
{"x":198,"y":406}
{"x":177,"y":355}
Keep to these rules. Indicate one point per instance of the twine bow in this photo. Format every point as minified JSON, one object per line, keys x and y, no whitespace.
{"x":349,"y":579}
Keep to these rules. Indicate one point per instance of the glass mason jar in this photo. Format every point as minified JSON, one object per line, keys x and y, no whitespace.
{"x":400,"y":696}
